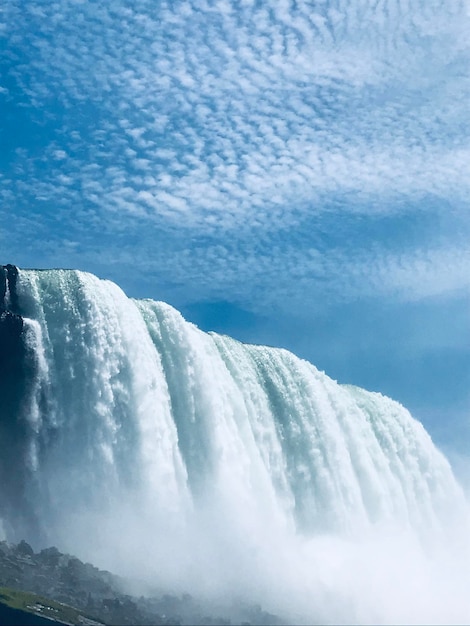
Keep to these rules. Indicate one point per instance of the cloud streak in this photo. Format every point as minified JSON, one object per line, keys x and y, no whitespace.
{"x":221,"y":138}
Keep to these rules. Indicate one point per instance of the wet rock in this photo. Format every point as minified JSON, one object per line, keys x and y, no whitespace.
{"x":24,"y":549}
{"x":49,"y":556}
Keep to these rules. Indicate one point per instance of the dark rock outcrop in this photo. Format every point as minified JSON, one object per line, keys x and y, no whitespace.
{"x":8,"y":292}
{"x":102,"y":596}
{"x":66,"y":579}
{"x":17,"y":374}
{"x":3,"y":284}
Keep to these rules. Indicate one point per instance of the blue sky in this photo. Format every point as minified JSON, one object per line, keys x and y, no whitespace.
{"x":290,"y":172}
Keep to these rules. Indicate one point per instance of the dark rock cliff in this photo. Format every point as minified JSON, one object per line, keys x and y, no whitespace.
{"x":16,"y":378}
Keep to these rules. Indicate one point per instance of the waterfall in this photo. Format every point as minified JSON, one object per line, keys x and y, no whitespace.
{"x":132,"y":437}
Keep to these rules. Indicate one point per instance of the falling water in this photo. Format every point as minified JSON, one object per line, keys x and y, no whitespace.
{"x":134,"y":439}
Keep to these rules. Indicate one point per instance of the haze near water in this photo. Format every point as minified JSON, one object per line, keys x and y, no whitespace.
{"x":230,"y":471}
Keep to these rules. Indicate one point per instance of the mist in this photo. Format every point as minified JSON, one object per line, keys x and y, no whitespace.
{"x":188,"y":462}
{"x":379,"y":575}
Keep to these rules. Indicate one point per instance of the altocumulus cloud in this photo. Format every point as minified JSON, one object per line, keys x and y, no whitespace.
{"x":291,"y":147}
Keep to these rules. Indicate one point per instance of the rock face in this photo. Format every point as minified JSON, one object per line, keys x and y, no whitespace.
{"x":101,"y":595}
{"x":15,"y":377}
{"x":11,"y":322}
{"x":66,"y":579}
{"x":8,"y":278}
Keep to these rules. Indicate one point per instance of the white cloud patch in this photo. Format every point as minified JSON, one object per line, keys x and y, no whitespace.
{"x":245,"y":124}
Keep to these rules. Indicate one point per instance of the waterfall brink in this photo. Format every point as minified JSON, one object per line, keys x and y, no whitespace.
{"x":131,"y":437}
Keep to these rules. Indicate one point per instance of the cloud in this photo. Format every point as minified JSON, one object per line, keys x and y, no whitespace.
{"x":224,"y":144}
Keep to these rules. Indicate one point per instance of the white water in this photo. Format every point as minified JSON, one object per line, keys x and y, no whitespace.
{"x":218,"y":468}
